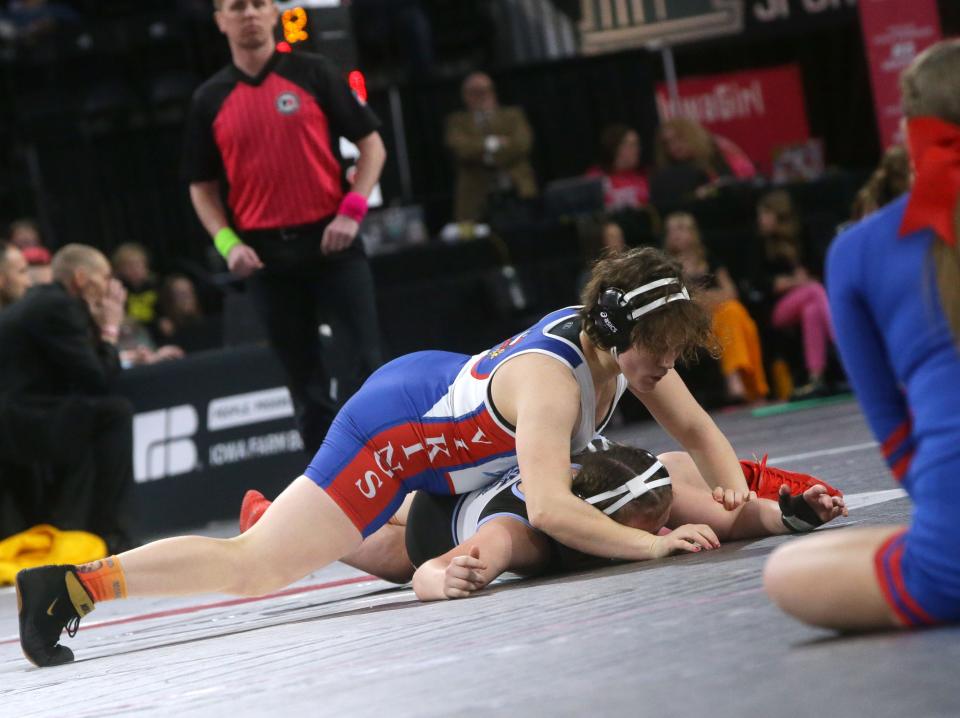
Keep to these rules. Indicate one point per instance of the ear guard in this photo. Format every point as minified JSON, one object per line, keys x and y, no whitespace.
{"x":614,"y":318}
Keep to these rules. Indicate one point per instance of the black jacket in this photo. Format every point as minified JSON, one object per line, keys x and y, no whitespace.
{"x":50,"y":348}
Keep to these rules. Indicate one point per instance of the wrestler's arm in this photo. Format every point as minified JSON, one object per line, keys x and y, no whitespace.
{"x":501,"y":544}
{"x":540,"y":396}
{"x":675,"y":409}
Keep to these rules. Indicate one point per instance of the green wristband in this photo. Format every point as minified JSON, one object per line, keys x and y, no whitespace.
{"x":225,"y":240}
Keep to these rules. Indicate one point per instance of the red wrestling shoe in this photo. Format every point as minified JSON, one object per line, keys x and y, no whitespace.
{"x":252,"y":508}
{"x":767,"y":480}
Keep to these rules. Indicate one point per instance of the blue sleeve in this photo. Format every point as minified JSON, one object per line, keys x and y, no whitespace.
{"x":864,"y":354}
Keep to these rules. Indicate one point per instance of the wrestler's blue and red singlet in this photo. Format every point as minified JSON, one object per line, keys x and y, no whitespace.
{"x":426,"y":421}
{"x":905,"y":369}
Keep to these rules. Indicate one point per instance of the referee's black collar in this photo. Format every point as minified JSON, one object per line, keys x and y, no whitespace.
{"x":257,"y":79}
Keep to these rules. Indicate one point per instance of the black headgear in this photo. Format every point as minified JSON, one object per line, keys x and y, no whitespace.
{"x":614,"y":318}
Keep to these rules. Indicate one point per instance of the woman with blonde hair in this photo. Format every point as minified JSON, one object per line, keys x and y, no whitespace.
{"x":689,"y":159}
{"x":741,"y":358}
{"x":894,"y":282}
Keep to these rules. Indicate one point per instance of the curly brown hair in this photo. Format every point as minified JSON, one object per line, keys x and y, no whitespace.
{"x":681,"y":328}
{"x":606,"y":466}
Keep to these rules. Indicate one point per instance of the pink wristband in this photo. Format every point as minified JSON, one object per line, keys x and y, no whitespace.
{"x":354,"y":206}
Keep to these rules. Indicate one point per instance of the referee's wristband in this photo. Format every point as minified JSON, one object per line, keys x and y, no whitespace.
{"x":225,"y":240}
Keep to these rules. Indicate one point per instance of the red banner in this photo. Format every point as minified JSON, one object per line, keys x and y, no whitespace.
{"x":894,"y":32}
{"x":759,"y":110}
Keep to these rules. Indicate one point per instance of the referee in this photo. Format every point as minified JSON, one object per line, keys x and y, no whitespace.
{"x":269,"y":125}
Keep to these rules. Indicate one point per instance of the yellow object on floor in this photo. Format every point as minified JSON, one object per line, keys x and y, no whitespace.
{"x":44,"y":544}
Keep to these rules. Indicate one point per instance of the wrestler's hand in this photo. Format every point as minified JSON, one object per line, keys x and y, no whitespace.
{"x":463,"y":576}
{"x":826,"y":507}
{"x":243,"y":261}
{"x":339,"y":234}
{"x":732,"y":499}
{"x":689,"y":537}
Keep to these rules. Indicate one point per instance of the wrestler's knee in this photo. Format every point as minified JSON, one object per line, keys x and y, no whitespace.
{"x":256,"y":569}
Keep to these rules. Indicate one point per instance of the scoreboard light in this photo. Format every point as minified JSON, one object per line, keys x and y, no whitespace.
{"x":295,"y":21}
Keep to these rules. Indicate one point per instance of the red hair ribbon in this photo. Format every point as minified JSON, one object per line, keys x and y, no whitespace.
{"x":935,"y":152}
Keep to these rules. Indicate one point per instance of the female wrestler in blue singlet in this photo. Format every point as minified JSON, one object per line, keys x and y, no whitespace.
{"x":894,"y":287}
{"x":446,"y":423}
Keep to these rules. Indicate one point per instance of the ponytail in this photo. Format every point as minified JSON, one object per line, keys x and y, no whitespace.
{"x":946,"y":260}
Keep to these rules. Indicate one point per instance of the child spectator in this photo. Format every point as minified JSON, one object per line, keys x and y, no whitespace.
{"x":181,"y":320}
{"x":741,"y":360}
{"x":797,"y":298}
{"x":131,"y":266}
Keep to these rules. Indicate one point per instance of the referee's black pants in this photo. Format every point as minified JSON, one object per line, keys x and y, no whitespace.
{"x":298,"y":290}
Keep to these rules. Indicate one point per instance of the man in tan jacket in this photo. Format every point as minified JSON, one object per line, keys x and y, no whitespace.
{"x":491,"y":146}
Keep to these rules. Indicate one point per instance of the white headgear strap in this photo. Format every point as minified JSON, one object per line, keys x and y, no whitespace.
{"x":656,"y":303}
{"x":635,"y":487}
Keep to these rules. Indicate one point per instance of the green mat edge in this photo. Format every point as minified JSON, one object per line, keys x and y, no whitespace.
{"x":791,"y":406}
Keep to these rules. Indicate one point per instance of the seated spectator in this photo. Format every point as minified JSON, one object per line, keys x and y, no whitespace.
{"x":131,"y":266}
{"x":741,"y":360}
{"x":690,"y":162}
{"x":14,"y":277}
{"x":890,"y":180}
{"x":491,"y":149}
{"x":181,"y":320}
{"x":796,"y":298}
{"x":625,"y":183}
{"x":57,"y":358}
{"x":38,"y":265}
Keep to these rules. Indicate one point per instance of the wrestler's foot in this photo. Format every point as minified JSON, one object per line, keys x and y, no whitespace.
{"x":767,"y":480}
{"x":49,"y":599}
{"x":253,"y":507}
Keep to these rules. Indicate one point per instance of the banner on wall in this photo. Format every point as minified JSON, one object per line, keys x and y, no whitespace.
{"x":762,"y":111}
{"x":893,"y":37}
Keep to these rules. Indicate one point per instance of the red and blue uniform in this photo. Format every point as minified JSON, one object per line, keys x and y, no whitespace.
{"x":905,"y":368}
{"x":427,"y":421}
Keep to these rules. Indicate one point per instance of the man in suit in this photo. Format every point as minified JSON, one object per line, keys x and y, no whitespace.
{"x":491,"y":146}
{"x":57,"y":357}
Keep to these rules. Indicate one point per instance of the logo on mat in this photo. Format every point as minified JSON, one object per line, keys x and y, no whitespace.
{"x":162,"y":443}
{"x":288,"y":103}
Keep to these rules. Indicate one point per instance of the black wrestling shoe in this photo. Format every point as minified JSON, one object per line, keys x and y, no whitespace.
{"x":49,"y":599}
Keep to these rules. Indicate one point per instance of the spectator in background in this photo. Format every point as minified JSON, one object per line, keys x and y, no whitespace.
{"x":491,"y":148}
{"x":14,"y":275}
{"x":57,"y":359}
{"x":181,"y":320}
{"x":690,"y":161}
{"x":25,"y":233}
{"x":131,"y":265}
{"x":890,"y":180}
{"x":797,"y":298}
{"x":38,"y":261}
{"x":625,"y":183}
{"x":741,"y":360}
